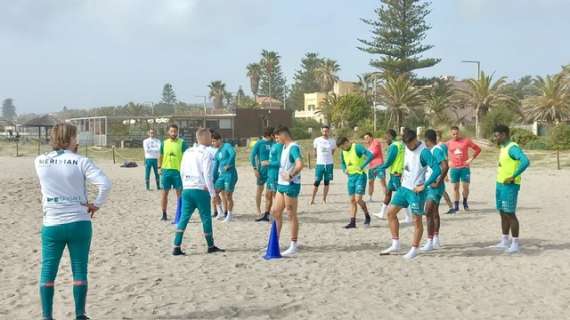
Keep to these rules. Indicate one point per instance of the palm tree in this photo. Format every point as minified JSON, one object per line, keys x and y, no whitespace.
{"x":254,"y":75}
{"x":228,"y":97}
{"x":269,"y":60}
{"x":482,"y":94}
{"x":326,"y":74}
{"x":553,"y":103}
{"x":326,"y":107}
{"x":217,"y":92}
{"x":400,"y":96}
{"x":438,"y":101}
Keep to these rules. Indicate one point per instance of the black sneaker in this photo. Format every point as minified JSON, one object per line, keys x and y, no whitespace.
{"x":465,"y":206}
{"x":367,"y":221}
{"x":451,"y":211}
{"x":265,"y":217}
{"x":164,"y":217}
{"x":215,"y":249}
{"x":351,"y":225}
{"x":178,"y":252}
{"x":83,"y":317}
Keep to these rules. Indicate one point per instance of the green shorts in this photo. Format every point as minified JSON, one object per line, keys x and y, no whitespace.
{"x":356,"y":184}
{"x":262,"y":175}
{"x":460,"y":174}
{"x":292,"y":190}
{"x":170,"y":179}
{"x":226,"y":181}
{"x":506,"y":196}
{"x":272,"y":176}
{"x":376,"y":173}
{"x":394,"y":183}
{"x":436,"y":194}
{"x":323,"y":172}
{"x":405,"y":197}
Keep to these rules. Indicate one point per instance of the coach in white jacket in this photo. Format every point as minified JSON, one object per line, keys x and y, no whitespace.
{"x":67,"y":214}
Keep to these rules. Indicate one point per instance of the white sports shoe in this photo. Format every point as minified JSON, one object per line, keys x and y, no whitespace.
{"x":392,"y":248}
{"x":411,"y":254}
{"x":436,"y":244}
{"x":428,"y":246}
{"x":514,"y":248}
{"x":291,"y":251}
{"x":228,"y":217}
{"x":503,"y":245}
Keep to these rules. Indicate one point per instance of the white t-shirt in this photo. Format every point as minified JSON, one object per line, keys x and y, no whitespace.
{"x":63,"y":176}
{"x":151,"y":148}
{"x":324,"y":149}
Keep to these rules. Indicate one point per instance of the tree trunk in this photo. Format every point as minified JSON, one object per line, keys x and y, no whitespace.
{"x":477,"y":124}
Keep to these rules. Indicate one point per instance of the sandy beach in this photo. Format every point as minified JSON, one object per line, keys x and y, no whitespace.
{"x":338,"y":274}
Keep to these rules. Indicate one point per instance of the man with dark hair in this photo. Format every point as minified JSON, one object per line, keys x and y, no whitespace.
{"x":395,"y":165}
{"x":171,"y":151}
{"x":259,"y":159}
{"x":460,"y":162}
{"x":226,"y":176}
{"x":412,"y":193}
{"x":353,"y":160}
{"x":512,"y":163}
{"x":374,"y":169}
{"x":434,"y":191}
{"x":324,"y":147}
{"x":288,"y":186}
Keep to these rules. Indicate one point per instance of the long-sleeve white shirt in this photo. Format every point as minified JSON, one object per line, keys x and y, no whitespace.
{"x":63,"y":176}
{"x":151,"y":148}
{"x":196,"y":169}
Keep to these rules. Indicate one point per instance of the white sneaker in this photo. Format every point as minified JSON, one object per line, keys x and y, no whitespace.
{"x":436,"y":245}
{"x":407,"y":220}
{"x":503,"y":245}
{"x":228,"y":217}
{"x":291,"y":251}
{"x":514,"y":248}
{"x":393,"y":248}
{"x":428,"y":246}
{"x":411,"y":254}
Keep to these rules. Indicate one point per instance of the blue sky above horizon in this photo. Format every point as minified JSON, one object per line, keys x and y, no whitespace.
{"x":91,"y":53}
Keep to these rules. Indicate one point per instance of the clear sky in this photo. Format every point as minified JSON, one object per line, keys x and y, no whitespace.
{"x":88,"y":53}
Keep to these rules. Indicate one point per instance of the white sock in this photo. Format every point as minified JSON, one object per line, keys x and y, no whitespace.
{"x":395,"y":243}
{"x":219,"y":209}
{"x":505,"y":238}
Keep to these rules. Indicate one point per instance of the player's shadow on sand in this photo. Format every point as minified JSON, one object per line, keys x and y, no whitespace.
{"x":529,"y":247}
{"x":231,"y":312}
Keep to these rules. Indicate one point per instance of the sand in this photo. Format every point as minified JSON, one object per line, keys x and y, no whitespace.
{"x":339,"y":274}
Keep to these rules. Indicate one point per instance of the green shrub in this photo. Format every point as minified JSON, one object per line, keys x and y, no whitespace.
{"x":540,"y":143}
{"x":300,"y":133}
{"x":499,"y":115}
{"x":344,"y":132}
{"x":560,"y":136}
{"x":522,"y":136}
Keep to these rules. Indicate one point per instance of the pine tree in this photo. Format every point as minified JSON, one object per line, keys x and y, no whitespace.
{"x":398,"y":31}
{"x":305,"y":80}
{"x":168,"y":95}
{"x":8,"y":109}
{"x":273,"y":81}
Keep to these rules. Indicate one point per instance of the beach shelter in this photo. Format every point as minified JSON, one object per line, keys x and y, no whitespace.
{"x":46,"y":122}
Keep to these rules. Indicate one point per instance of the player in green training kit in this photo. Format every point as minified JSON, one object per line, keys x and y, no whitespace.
{"x":395,"y":165}
{"x":353,"y":160}
{"x":412,"y":193}
{"x":259,"y":159}
{"x":512,"y":163}
{"x":273,"y":172}
{"x":171,"y":151}
{"x":288,"y":186}
{"x":434,"y":191}
{"x":225,"y":173}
